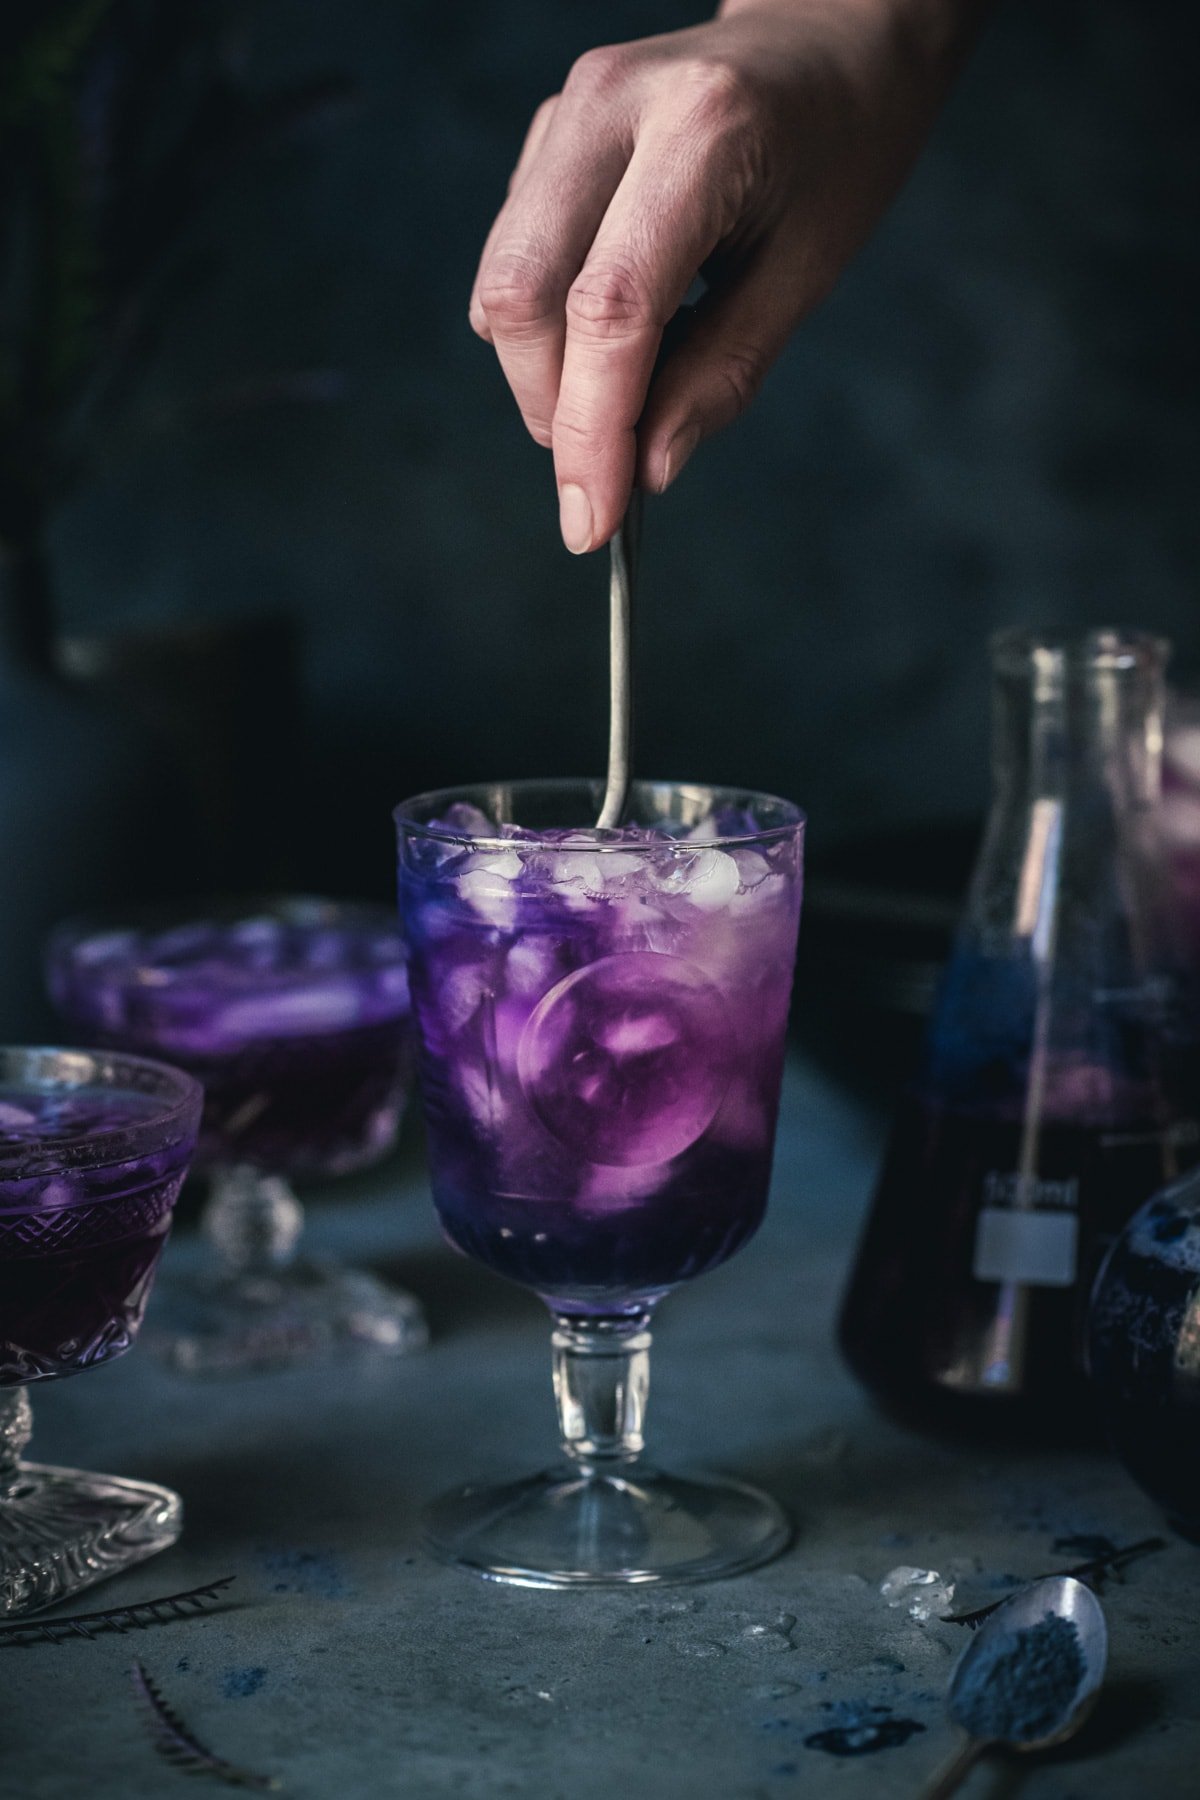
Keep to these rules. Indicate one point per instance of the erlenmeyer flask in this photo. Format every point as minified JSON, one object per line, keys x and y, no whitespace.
{"x":1061,"y":1078}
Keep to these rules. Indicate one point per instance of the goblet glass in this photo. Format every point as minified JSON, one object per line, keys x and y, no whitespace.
{"x":600,"y":1019}
{"x":294,"y":1014}
{"x":93,"y":1152}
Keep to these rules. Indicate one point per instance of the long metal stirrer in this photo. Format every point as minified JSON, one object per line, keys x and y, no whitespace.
{"x":623,"y":566}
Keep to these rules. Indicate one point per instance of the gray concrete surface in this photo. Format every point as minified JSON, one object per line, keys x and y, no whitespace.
{"x":351,"y":1667}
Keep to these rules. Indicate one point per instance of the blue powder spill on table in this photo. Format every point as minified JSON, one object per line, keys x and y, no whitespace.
{"x":240,"y":1683}
{"x":1019,"y":1686}
{"x":304,"y":1572}
{"x":862,"y":1729}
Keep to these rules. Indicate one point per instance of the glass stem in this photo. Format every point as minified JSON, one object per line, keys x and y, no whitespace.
{"x":16,"y":1428}
{"x":252,"y":1220}
{"x":601,"y":1380}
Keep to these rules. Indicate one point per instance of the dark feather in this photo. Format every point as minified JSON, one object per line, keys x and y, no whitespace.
{"x":134,"y":1617}
{"x":180,"y":1747}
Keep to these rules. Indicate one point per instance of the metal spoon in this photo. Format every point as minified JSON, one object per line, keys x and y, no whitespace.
{"x":1069,"y":1599}
{"x":623,"y":568}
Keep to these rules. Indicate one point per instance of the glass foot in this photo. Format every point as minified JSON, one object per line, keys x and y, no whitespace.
{"x":575,"y":1529}
{"x":224,"y":1324}
{"x":61,"y":1530}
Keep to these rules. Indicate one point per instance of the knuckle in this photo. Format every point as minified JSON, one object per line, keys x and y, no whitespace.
{"x":598,"y":72}
{"x":722,"y":114}
{"x":718,"y":93}
{"x":515,"y":290}
{"x":609,"y":301}
{"x":741,"y":373}
{"x":574,"y":437}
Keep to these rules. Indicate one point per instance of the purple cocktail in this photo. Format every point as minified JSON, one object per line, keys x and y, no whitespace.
{"x":601,"y":1020}
{"x":295,"y":1016}
{"x":93,"y":1153}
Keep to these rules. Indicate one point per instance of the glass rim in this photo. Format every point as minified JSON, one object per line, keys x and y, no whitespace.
{"x":216,"y":909}
{"x":181,"y":1094}
{"x":70,"y":934}
{"x":597,"y":844}
{"x":1110,"y":647}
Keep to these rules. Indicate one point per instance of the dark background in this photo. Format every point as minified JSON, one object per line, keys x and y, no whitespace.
{"x":989,"y":423}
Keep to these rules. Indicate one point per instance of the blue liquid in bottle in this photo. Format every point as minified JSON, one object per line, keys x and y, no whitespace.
{"x":1061,"y":1078}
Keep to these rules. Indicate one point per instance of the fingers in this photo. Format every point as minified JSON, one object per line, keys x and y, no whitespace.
{"x":665,"y":219}
{"x":534,"y":138}
{"x":714,"y":375}
{"x":538,"y":245}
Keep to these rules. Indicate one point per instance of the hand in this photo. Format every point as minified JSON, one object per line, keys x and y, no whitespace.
{"x":760,"y":149}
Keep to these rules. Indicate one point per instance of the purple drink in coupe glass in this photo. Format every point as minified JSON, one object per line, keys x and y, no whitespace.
{"x":93,"y":1152}
{"x":78,"y":1245}
{"x":294,"y":1014}
{"x":296,"y":1020}
{"x":602,"y":1020}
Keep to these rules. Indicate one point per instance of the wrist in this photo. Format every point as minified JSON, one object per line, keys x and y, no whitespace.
{"x":940,"y":24}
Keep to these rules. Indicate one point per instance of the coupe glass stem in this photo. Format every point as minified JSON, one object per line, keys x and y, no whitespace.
{"x":16,"y":1428}
{"x":252,"y":1220}
{"x":601,"y":1380}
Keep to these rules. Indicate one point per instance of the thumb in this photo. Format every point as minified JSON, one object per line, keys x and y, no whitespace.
{"x":736,"y":334}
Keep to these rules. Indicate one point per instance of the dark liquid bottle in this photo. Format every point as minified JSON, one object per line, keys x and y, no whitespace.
{"x":1061,"y":1076}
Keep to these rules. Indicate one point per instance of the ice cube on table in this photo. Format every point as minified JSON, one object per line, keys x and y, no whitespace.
{"x":922,"y":1593}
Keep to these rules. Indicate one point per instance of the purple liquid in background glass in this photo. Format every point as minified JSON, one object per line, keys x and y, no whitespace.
{"x":78,"y":1245}
{"x":602,"y":1037}
{"x":1181,"y":811}
{"x":297,"y":1026}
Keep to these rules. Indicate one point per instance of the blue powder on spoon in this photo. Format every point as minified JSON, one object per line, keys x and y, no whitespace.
{"x":1020,"y":1685}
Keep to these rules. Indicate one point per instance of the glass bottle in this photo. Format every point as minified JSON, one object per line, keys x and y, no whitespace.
{"x":1061,"y":1075}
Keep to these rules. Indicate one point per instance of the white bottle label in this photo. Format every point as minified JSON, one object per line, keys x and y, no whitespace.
{"x":1015,"y":1244}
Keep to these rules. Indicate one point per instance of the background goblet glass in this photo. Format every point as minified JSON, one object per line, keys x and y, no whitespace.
{"x":294,"y":1014}
{"x":601,"y":1021}
{"x":93,"y":1152}
{"x":1181,"y":808}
